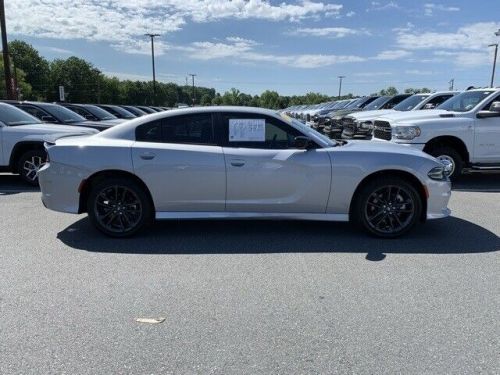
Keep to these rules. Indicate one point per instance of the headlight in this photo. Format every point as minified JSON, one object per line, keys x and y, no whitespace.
{"x":406,"y":132}
{"x":438,"y":173}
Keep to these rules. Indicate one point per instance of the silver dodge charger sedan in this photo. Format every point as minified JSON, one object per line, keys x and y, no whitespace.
{"x":239,"y":163}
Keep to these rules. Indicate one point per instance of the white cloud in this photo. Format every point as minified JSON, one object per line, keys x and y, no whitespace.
{"x":392,"y":55}
{"x":429,"y":8}
{"x":60,"y":51}
{"x":467,"y":59}
{"x":243,"y":51}
{"x":470,"y":37}
{"x":331,"y":32}
{"x":418,"y":72}
{"x":373,"y":74}
{"x":376,"y":5}
{"x":124,"y":22}
{"x":350,"y":14}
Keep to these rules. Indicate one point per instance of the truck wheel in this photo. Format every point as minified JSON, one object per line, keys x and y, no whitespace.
{"x":387,"y":207}
{"x":448,"y":154}
{"x":29,"y":164}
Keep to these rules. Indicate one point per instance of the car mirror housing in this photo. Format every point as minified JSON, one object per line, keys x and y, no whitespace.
{"x":495,"y":107}
{"x":487,"y":114}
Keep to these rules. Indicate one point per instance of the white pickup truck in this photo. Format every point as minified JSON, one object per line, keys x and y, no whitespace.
{"x":463,"y":133}
{"x":21,"y":141}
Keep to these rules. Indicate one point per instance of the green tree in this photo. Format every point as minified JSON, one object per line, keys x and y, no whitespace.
{"x":391,"y":90}
{"x":24,"y":88}
{"x":35,"y":67}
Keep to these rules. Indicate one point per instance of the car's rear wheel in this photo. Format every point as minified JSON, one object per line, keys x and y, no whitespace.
{"x":119,"y":207}
{"x":387,"y":207}
{"x":29,"y":164}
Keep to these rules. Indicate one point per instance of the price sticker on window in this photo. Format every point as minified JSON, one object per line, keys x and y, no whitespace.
{"x":247,"y":130}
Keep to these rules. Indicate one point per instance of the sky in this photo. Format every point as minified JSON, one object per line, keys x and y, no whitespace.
{"x":292,"y":47}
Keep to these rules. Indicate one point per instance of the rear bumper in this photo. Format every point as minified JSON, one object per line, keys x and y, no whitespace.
{"x":59,"y":186}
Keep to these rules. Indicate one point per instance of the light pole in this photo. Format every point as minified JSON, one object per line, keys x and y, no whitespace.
{"x":6,"y":61}
{"x":452,"y":83}
{"x":152,"y":36}
{"x":340,"y":84}
{"x":494,"y":62}
{"x":192,"y":76}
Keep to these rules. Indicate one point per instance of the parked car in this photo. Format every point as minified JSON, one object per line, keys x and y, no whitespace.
{"x":54,"y":113}
{"x":239,"y":162}
{"x":118,"y":111}
{"x":361,"y":124}
{"x":92,"y":113}
{"x":463,"y":132}
{"x":21,"y":141}
{"x":146,"y":109}
{"x":134,"y":110}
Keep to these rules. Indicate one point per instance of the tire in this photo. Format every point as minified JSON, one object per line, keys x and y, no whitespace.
{"x":387,"y":207}
{"x":29,"y":164}
{"x":446,"y":153}
{"x":119,"y":207}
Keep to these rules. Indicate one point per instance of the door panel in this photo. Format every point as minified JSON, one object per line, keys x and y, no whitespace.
{"x":487,"y":140}
{"x":182,"y":177}
{"x":277,"y":180}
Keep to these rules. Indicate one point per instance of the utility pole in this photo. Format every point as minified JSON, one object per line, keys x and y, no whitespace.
{"x":152,"y":36}
{"x":6,"y":60}
{"x":192,"y":76}
{"x":494,"y":62}
{"x":452,"y":83}
{"x":340,"y":84}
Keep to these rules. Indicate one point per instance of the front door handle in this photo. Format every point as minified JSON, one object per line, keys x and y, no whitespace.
{"x":237,"y":163}
{"x":147,"y":156}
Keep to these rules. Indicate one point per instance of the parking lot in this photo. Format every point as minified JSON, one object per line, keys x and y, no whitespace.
{"x":248,"y":297}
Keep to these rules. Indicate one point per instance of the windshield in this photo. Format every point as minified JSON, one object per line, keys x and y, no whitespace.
{"x":377,"y":103}
{"x":311,"y":133}
{"x":409,"y":103}
{"x":123,"y":112}
{"x":62,"y":114}
{"x":100,"y":113}
{"x":12,"y":116}
{"x":465,"y":101}
{"x":356,"y":104}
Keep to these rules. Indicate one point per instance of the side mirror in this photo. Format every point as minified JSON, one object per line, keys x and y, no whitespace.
{"x":487,"y":114}
{"x":495,"y":107}
{"x":48,"y":118}
{"x":302,"y":143}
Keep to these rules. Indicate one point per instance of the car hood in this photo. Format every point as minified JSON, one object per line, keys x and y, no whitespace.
{"x":345,"y":112}
{"x":367,"y":115}
{"x":381,"y":146}
{"x":113,"y":121}
{"x":416,"y":115}
{"x":54,"y":128}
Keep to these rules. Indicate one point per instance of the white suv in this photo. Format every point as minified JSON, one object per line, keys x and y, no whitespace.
{"x":463,"y":132}
{"x":22,"y":138}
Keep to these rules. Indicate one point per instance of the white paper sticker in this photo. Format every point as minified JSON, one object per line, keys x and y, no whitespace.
{"x":247,"y":130}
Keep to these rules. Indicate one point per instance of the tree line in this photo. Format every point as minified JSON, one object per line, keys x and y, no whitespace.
{"x":39,"y":79}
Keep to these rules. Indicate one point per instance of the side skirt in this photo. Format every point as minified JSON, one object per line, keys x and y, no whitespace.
{"x":251,"y":215}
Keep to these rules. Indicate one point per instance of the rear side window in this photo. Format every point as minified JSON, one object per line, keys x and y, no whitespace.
{"x":192,"y":129}
{"x":149,"y":132}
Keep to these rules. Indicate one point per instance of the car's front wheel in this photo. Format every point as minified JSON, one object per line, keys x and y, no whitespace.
{"x":451,"y":158}
{"x":119,"y":207}
{"x":387,"y":207}
{"x":29,"y":164}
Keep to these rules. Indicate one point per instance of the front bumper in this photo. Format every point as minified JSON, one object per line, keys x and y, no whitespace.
{"x":439,"y":196}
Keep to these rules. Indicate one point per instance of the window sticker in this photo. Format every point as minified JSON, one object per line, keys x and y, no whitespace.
{"x":247,"y":130}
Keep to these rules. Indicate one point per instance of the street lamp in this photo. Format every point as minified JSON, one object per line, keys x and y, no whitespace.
{"x":192,"y":76}
{"x":340,"y":84}
{"x":494,"y":62}
{"x":152,"y":36}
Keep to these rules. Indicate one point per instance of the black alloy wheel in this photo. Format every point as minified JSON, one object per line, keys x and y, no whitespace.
{"x":119,"y":207}
{"x":388,"y":207}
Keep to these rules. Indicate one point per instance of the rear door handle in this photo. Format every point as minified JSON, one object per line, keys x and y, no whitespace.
{"x":237,"y":163}
{"x":147,"y":156}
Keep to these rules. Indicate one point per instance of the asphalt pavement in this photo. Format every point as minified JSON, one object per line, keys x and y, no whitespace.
{"x":250,"y":297}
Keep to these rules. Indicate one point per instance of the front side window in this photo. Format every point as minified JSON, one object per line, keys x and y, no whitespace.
{"x":250,"y":130}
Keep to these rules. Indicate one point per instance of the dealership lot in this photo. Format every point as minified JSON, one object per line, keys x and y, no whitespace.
{"x":250,"y":297}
